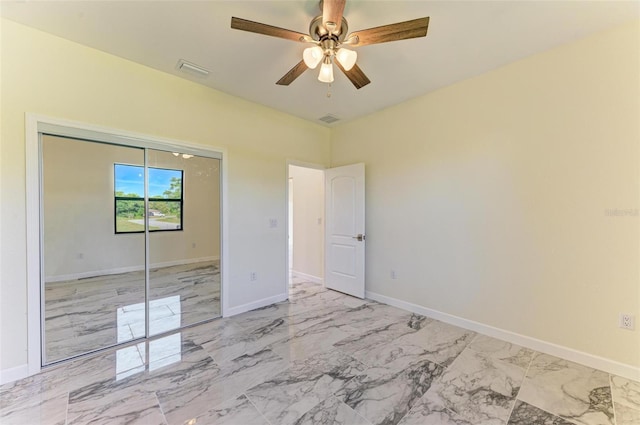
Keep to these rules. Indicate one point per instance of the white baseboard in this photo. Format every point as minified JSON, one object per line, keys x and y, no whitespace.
{"x":119,"y":270}
{"x":309,"y":277}
{"x":13,"y":374}
{"x":232,"y":311}
{"x":596,"y":362}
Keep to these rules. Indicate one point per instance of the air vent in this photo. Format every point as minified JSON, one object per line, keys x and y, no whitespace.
{"x":329,"y":119}
{"x":192,"y":68}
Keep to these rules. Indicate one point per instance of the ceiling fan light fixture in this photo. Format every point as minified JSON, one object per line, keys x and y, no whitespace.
{"x":347,"y":58}
{"x":326,"y":71}
{"x":312,"y":56}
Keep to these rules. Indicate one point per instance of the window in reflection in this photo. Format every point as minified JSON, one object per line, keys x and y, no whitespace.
{"x":164,"y":316}
{"x":165,"y":199}
{"x":163,"y":352}
{"x":129,"y":361}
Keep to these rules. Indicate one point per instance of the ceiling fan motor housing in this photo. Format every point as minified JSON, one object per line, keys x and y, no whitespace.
{"x":318,"y":31}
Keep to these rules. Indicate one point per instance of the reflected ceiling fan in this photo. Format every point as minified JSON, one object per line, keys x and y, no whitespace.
{"x":329,"y":34}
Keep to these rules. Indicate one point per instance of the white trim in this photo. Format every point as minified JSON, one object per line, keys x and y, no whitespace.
{"x":75,"y":129}
{"x":309,"y":277}
{"x":304,"y":164}
{"x":224,"y":232}
{"x":34,"y":124}
{"x":14,"y":373}
{"x":136,"y":268}
{"x":596,"y":362}
{"x":33,"y":200}
{"x":232,"y":311}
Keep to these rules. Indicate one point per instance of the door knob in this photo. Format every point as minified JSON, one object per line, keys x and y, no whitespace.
{"x":359,"y":238}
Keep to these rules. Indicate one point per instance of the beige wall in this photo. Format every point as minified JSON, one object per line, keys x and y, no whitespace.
{"x":490,"y":197}
{"x":308,"y":221}
{"x":47,"y":75}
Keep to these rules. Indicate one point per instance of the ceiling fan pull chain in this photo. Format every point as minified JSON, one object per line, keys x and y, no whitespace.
{"x":329,"y":90}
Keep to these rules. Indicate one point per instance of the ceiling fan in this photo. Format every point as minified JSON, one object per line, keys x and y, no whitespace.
{"x":329,"y":33}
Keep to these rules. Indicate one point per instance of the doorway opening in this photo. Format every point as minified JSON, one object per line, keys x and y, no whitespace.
{"x":306,"y":225}
{"x":326,"y":231}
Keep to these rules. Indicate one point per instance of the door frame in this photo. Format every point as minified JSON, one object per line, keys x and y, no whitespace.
{"x":304,"y":165}
{"x":36,"y":124}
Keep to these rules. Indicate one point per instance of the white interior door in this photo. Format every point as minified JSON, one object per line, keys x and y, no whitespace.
{"x":344,"y":229}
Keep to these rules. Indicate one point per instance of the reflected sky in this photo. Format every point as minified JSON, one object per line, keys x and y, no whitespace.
{"x":129,"y":179}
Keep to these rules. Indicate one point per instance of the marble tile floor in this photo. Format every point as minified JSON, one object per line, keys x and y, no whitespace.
{"x":87,"y":314}
{"x":322,"y":358}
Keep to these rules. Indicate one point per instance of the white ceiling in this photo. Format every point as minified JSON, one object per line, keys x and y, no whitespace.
{"x":465,"y":38}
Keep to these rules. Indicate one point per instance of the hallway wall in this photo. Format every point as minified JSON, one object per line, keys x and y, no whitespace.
{"x":308,"y":222}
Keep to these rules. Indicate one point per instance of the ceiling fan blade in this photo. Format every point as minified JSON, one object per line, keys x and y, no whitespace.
{"x":355,"y":75}
{"x":332,"y":11}
{"x":293,"y":73}
{"x":392,"y":32}
{"x":257,"y":27}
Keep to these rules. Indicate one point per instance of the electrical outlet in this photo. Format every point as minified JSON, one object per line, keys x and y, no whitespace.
{"x":627,"y":321}
{"x":253,"y":276}
{"x":394,"y":275}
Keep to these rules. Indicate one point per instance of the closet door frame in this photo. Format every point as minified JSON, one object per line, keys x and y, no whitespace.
{"x":36,"y":125}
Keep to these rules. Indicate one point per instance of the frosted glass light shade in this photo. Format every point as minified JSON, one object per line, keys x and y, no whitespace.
{"x":347,"y":58}
{"x":326,"y":72}
{"x":312,"y":56}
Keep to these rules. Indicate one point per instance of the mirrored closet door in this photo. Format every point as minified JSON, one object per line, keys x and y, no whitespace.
{"x":130,"y":244}
{"x":184,"y":234}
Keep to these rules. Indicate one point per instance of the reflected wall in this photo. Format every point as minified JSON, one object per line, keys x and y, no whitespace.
{"x":90,"y":273}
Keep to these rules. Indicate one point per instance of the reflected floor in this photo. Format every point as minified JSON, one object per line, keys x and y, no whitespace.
{"x":87,"y":314}
{"x":322,"y":358}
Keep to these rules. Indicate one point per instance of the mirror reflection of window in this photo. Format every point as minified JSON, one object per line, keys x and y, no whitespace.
{"x":165,"y":199}
{"x":163,"y":352}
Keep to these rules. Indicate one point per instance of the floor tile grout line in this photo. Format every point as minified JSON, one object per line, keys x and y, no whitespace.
{"x":66,"y":412}
{"x":155,"y":394}
{"x":474,"y":339}
{"x":524,"y":377}
{"x":535,"y":354}
{"x":256,"y":407}
{"x":613,"y":404}
{"x":613,"y":407}
{"x":354,"y":410}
